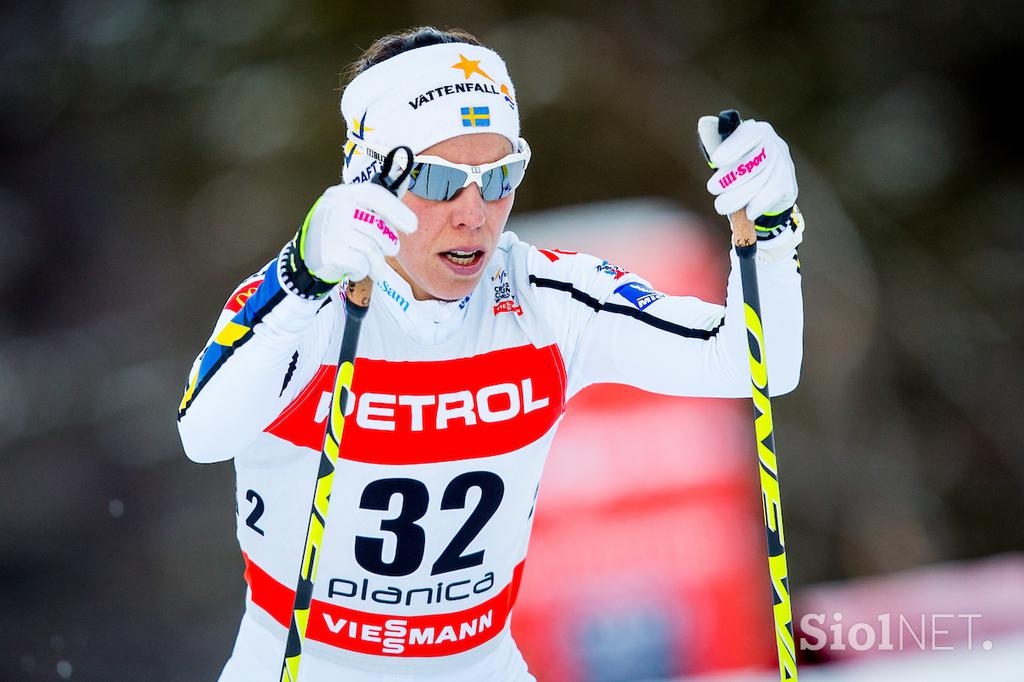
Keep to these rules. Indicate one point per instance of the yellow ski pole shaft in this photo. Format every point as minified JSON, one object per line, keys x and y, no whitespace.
{"x":357,"y":302}
{"x":359,"y":291}
{"x":745,"y":241}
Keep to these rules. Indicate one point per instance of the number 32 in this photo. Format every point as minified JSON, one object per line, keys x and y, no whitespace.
{"x":411,"y":539}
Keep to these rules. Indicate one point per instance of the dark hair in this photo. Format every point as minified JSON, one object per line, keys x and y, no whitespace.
{"x":394,"y":44}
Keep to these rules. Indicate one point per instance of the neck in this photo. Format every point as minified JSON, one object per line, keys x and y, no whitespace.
{"x":418,"y":292}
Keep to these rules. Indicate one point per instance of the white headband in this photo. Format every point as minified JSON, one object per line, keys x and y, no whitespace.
{"x":423,"y":96}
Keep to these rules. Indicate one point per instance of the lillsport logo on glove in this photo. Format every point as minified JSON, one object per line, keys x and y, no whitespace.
{"x":374,"y":220}
{"x":744,"y":168}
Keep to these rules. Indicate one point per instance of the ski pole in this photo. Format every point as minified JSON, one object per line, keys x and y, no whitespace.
{"x":745,"y":240}
{"x":357,"y":301}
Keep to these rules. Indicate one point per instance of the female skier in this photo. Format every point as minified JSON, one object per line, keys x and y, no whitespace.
{"x":473,"y":345}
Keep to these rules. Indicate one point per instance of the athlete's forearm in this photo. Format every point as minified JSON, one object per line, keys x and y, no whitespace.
{"x":686,"y":347}
{"x":783,"y":319}
{"x":263,"y":348}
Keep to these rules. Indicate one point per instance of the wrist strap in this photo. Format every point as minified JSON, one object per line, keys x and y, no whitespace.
{"x":296,"y":277}
{"x":787,"y":237}
{"x":771,"y":226}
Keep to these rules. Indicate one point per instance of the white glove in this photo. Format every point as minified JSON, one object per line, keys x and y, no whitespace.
{"x":352,"y":227}
{"x":754,"y":167}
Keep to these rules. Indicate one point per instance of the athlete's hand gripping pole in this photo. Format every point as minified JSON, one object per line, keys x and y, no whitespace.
{"x":745,"y":240}
{"x":357,"y":301}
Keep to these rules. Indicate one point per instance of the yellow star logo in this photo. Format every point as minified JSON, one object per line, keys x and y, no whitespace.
{"x":470,"y":66}
{"x":359,"y":128}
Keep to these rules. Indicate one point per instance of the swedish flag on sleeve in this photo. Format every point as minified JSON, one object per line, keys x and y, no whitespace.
{"x":476,"y":117}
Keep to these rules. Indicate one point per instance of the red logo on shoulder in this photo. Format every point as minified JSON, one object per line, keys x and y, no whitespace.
{"x":552,"y":254}
{"x":241,"y":295}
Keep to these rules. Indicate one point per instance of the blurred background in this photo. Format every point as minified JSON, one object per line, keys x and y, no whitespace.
{"x":154,"y":153}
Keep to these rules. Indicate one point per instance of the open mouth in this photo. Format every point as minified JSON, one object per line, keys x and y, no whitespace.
{"x":463,"y":258}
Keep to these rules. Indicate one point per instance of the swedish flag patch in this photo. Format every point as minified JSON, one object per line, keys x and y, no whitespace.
{"x":476,"y":117}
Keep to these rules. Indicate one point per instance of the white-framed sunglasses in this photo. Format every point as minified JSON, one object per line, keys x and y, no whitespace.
{"x":438,"y":179}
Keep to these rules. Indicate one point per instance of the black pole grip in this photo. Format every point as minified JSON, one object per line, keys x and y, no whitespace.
{"x":384,"y":178}
{"x":728,"y":121}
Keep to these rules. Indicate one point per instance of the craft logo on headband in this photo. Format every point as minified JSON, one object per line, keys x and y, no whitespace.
{"x":468,"y":67}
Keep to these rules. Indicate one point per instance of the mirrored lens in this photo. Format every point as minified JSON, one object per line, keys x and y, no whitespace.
{"x":499,"y":182}
{"x":436,"y":182}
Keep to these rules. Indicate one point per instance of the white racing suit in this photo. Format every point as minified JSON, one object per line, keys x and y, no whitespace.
{"x":454,"y":408}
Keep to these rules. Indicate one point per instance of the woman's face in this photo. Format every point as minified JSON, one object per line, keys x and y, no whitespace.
{"x":466,"y":223}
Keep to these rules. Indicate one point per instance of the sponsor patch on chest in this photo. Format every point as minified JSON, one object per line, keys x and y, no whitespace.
{"x":434,"y":411}
{"x":504,"y":299}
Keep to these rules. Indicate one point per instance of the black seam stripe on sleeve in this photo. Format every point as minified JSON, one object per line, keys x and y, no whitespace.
{"x":229,"y":351}
{"x":591,"y":302}
{"x":288,"y":375}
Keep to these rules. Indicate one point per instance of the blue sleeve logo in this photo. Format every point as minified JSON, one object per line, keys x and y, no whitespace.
{"x":640,"y":295}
